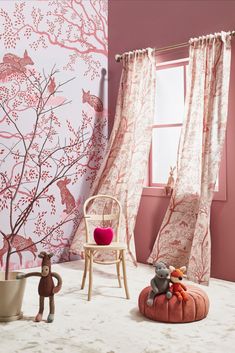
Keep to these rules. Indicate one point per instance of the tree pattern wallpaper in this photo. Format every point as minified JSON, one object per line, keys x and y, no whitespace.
{"x":53,"y":122}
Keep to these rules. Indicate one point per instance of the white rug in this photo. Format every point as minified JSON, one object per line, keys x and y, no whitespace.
{"x":109,"y":323}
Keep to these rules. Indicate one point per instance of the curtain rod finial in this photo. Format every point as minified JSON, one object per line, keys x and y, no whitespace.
{"x":118,"y":57}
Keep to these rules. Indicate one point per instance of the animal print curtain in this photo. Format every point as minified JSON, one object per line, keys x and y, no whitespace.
{"x":124,"y":168}
{"x":184,"y":237}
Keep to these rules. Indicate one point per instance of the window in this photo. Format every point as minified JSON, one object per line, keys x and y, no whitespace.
{"x":171,"y":80}
{"x":170,"y":95}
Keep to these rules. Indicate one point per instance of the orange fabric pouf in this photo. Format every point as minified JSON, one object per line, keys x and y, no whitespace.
{"x":172,"y":310}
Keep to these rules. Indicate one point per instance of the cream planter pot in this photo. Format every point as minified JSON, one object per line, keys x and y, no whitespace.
{"x":11,"y":297}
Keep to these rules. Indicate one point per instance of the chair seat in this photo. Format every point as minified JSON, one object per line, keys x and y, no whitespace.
{"x":112,"y":246}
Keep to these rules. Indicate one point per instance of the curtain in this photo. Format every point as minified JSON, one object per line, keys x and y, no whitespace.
{"x":123,"y":172}
{"x":184,"y":236}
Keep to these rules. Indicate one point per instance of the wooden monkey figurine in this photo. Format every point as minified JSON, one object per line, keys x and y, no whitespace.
{"x":46,"y":287}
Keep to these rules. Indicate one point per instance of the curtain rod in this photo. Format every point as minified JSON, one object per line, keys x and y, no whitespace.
{"x":118,"y":57}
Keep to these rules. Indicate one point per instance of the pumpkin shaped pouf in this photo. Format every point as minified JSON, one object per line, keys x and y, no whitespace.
{"x":175,"y":311}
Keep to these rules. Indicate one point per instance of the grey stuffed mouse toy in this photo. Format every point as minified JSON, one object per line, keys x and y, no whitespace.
{"x":159,"y":283}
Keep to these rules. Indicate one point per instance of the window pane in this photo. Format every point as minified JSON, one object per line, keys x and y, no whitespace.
{"x":169,"y":95}
{"x":164,"y":152}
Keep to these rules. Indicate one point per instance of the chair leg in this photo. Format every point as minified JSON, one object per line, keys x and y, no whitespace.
{"x":118,"y":275}
{"x":85,"y":269}
{"x":118,"y":270}
{"x":124,"y":274}
{"x":90,"y":275}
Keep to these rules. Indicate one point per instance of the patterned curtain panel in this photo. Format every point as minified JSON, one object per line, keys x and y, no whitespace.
{"x":124,"y":169}
{"x":184,"y":237}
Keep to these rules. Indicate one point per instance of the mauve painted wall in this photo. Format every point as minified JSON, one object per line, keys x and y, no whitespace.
{"x":140,"y":24}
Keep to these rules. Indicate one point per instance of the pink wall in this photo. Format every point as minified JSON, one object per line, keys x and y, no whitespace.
{"x":146,"y":23}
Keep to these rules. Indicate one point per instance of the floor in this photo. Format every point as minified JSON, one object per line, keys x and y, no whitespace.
{"x":111,"y":324}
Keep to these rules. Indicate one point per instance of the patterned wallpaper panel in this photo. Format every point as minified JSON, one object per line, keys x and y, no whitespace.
{"x":53,"y":121}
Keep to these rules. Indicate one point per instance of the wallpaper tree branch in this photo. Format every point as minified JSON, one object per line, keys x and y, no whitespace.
{"x":53,"y":120}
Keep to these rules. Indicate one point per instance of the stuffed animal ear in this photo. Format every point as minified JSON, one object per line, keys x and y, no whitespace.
{"x":183,"y":269}
{"x":171,"y":268}
{"x":50,"y":255}
{"x":42,"y":254}
{"x":159,"y":264}
{"x":162,"y":263}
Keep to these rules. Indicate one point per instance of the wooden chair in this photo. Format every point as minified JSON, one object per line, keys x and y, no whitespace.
{"x":92,"y":250}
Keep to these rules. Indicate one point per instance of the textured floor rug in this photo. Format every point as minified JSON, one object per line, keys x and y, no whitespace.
{"x":109,"y":323}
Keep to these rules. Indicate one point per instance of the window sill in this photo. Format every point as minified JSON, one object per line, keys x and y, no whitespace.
{"x":154,"y":191}
{"x":220,"y":196}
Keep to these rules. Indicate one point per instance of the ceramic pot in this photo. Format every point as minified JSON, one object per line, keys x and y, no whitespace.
{"x":11,"y":297}
{"x":103,"y":236}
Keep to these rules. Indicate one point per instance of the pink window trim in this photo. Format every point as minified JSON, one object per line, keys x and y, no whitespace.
{"x":156,"y":189}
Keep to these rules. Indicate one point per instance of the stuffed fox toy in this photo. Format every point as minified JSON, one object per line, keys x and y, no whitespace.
{"x":177,"y":288}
